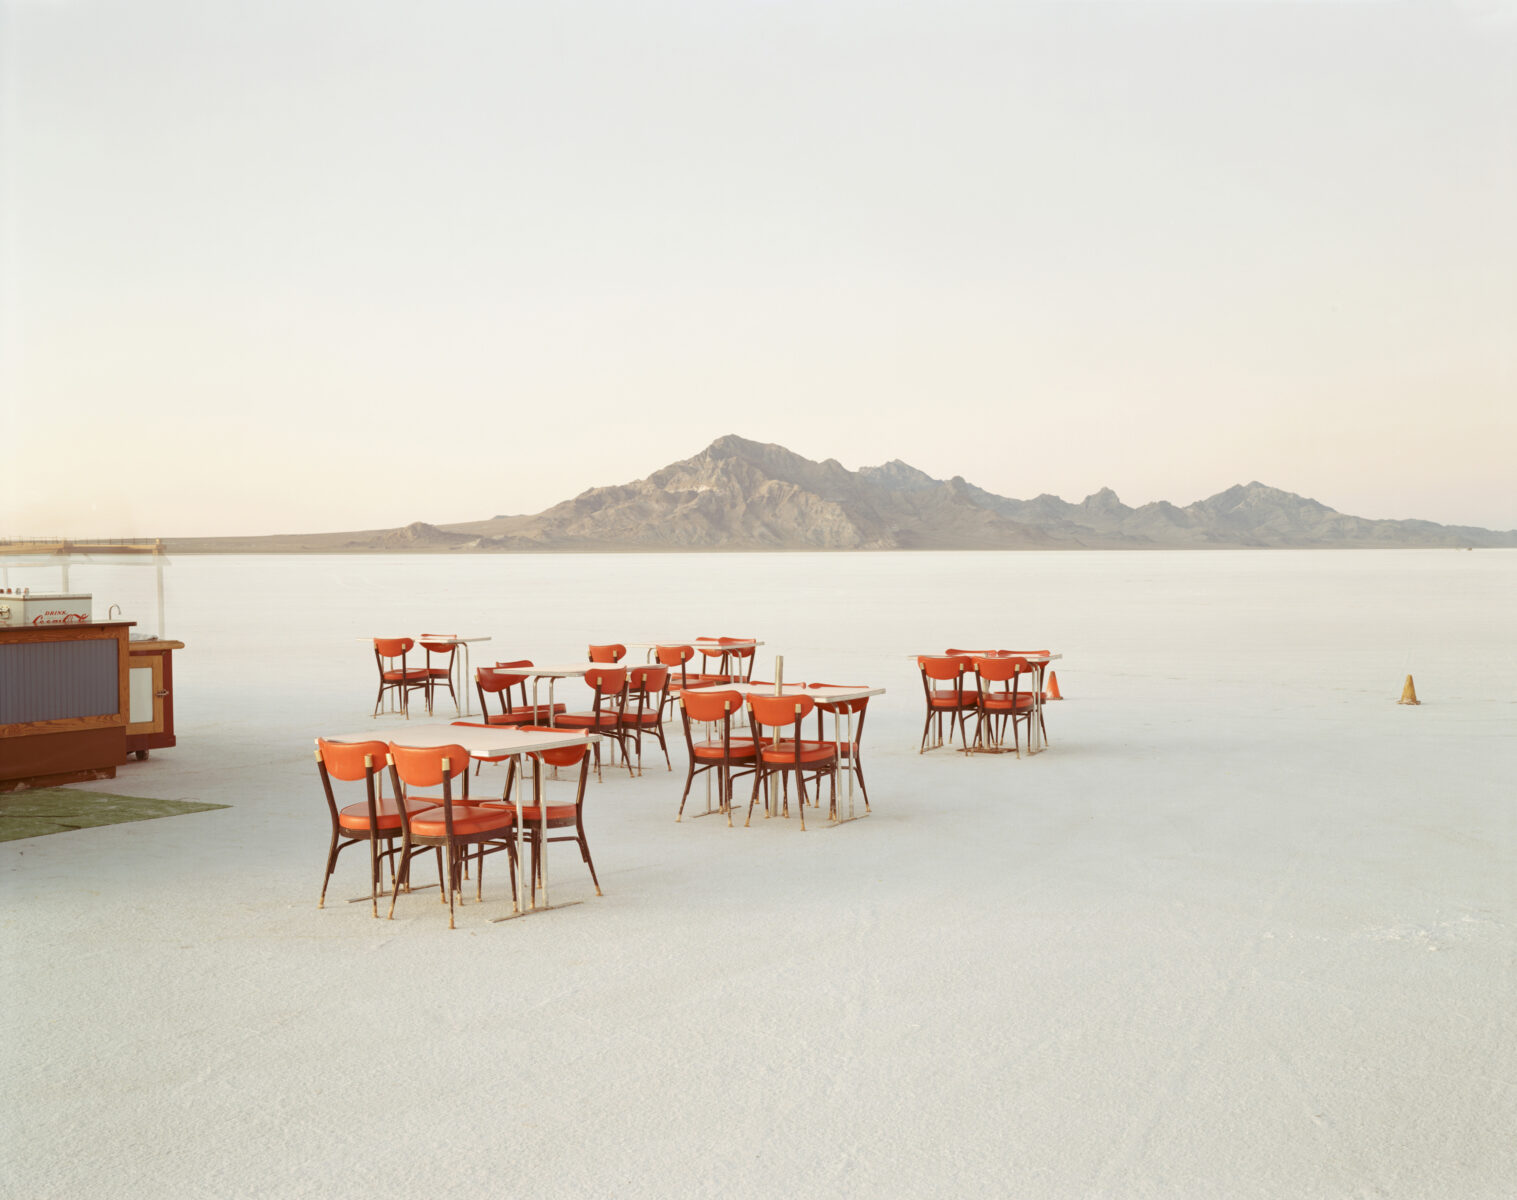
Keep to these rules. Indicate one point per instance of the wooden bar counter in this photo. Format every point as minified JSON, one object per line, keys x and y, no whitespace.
{"x":64,"y":702}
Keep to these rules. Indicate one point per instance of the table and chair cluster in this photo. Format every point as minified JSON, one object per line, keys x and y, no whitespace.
{"x":444,"y":659}
{"x":414,"y":792}
{"x":999,"y":689}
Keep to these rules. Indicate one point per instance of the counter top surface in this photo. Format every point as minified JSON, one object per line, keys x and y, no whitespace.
{"x":67,"y":625}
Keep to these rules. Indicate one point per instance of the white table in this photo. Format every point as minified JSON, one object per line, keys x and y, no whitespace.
{"x":495,"y":741}
{"x":823,"y":695}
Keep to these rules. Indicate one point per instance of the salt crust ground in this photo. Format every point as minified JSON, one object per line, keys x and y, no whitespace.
{"x":1246,"y":930}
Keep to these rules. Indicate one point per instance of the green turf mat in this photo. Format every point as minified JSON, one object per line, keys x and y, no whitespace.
{"x":57,"y":810}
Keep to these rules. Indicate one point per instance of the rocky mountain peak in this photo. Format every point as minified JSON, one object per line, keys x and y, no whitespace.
{"x":898,"y":476}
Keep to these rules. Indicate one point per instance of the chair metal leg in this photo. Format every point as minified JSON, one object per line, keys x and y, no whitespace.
{"x":331,"y":866}
{"x":584,"y":849}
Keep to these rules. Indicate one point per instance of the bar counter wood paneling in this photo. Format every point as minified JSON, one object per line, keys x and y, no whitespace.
{"x":151,"y":696}
{"x":64,"y":702}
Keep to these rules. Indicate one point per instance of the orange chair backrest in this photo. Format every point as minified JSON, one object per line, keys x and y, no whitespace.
{"x":711,"y":706}
{"x":515,"y":679}
{"x":438,"y":647}
{"x":561,"y":756}
{"x":422,"y":766}
{"x":674,"y":656}
{"x":999,"y":670}
{"x":942,"y":668}
{"x":648,"y":679}
{"x":393,"y":647}
{"x":606,"y":680}
{"x":492,"y":680}
{"x":613,"y":652}
{"x":345,"y":760}
{"x":769,"y":711}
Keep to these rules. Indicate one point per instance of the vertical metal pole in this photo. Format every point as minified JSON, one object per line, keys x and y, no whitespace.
{"x":770,"y":803}
{"x":63,"y":567}
{"x":162,"y":631}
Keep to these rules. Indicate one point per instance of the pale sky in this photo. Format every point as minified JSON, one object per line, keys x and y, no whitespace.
{"x":278,"y":267}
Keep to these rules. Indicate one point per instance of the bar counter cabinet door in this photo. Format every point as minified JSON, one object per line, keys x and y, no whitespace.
{"x":150,"y":712}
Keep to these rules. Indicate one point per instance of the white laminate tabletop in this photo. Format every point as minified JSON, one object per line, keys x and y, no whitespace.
{"x":560,"y":670}
{"x":829,"y":693}
{"x":494,"y":741}
{"x":1029,"y":655}
{"x":707,"y":644}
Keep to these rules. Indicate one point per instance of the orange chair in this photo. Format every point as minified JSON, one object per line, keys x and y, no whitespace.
{"x":612,"y":653}
{"x":1001,"y":701}
{"x":740,"y":662}
{"x":450,"y":826}
{"x":373,"y":821}
{"x":948,"y":695}
{"x":441,"y":675}
{"x":792,"y":755}
{"x":841,"y":710}
{"x":675,"y":658}
{"x":647,"y":693}
{"x":559,"y":816}
{"x":401,"y":680}
{"x":498,"y":681}
{"x":722,"y":754}
{"x":605,"y":716}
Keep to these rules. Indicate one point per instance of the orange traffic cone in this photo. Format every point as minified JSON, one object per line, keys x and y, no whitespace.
{"x":1408,"y":693}
{"x":1053,"y":687}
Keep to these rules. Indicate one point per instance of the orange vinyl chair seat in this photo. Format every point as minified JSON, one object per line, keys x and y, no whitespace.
{"x":811,"y":752}
{"x":1005,"y":701}
{"x":467,"y":819}
{"x":947,"y":698}
{"x":521,"y":716}
{"x":559,"y":815}
{"x":408,"y":673}
{"x":741,"y":748}
{"x":356,"y":816}
{"x":587,"y":720}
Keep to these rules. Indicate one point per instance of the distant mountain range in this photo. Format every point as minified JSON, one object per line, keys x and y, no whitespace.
{"x":742,"y":495}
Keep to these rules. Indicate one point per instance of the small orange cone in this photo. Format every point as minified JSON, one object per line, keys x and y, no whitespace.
{"x":1053,"y":687}
{"x":1409,"y":693}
